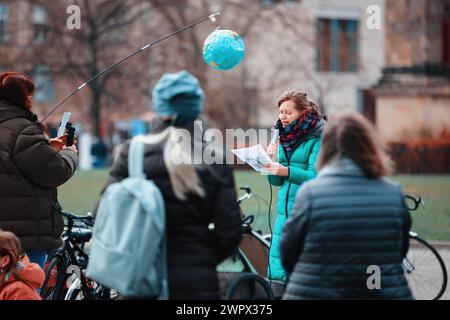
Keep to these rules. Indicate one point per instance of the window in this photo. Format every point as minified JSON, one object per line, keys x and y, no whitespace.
{"x":337,"y":45}
{"x":3,"y":23}
{"x":43,"y":82}
{"x":39,"y":24}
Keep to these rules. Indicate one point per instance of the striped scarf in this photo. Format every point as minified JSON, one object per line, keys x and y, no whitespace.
{"x":296,"y":131}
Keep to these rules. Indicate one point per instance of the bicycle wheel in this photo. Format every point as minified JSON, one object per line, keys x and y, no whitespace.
{"x":249,"y":286}
{"x":55,"y":277}
{"x":425,"y":270}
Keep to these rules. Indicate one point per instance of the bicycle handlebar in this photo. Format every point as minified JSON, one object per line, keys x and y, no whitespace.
{"x":417,"y":201}
{"x":246,"y":188}
{"x":87,"y":219}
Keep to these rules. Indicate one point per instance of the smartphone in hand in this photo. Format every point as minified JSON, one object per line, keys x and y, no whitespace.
{"x":63,"y":124}
{"x":70,"y":135}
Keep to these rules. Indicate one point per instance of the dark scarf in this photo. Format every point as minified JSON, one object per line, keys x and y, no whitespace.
{"x":294,"y":133}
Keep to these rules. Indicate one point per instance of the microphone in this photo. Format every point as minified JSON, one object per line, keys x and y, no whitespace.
{"x":274,"y":140}
{"x":275,"y":136}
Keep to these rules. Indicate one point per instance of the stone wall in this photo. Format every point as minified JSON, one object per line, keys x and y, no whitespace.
{"x":413,"y":30}
{"x":405,"y":118}
{"x":412,"y":98}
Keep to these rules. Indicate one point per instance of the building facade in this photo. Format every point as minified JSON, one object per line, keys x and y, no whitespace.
{"x":395,"y":73}
{"x":412,"y":99}
{"x":335,"y":54}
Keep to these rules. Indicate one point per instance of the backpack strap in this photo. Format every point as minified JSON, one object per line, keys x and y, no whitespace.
{"x":136,"y":158}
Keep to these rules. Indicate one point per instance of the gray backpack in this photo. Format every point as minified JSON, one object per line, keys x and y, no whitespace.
{"x":128,"y":250}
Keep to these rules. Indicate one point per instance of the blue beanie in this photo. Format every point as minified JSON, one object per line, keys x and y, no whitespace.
{"x":178,"y":94}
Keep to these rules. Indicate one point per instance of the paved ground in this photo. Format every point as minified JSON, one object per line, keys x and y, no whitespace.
{"x":431,"y":276}
{"x":446,"y":256}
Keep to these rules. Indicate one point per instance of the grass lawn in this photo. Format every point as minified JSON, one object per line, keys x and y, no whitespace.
{"x":80,"y":195}
{"x":432,"y":222}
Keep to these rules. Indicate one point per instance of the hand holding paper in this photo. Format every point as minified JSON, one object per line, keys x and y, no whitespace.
{"x":277,"y":169}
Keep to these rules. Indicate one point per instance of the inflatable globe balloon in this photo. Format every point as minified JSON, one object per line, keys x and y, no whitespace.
{"x":223,"y":49}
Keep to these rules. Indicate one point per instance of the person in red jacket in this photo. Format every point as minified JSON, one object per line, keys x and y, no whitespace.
{"x":19,"y":278}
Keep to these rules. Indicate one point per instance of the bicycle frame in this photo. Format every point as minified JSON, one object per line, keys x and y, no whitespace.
{"x":70,"y":256}
{"x":70,"y":251}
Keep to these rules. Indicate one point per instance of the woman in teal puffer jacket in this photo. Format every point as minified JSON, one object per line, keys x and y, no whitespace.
{"x":300,"y":126}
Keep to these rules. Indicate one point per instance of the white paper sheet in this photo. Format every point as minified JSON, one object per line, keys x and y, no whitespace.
{"x":254,"y":156}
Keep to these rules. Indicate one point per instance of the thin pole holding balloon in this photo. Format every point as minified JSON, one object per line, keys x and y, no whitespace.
{"x":211,"y":17}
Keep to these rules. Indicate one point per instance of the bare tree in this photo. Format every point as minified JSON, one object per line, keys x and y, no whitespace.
{"x":276,"y":37}
{"x":103,"y":39}
{"x":294,"y":56}
{"x":280,"y":45}
{"x":230,"y":96}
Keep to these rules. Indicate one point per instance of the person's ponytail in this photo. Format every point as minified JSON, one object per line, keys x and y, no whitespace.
{"x":178,"y":161}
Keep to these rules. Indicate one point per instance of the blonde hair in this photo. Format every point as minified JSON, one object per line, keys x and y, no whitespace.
{"x":178,"y":161}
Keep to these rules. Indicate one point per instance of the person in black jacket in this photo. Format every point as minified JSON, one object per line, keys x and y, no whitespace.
{"x":31,"y":168}
{"x":348,"y":232}
{"x":203,"y":217}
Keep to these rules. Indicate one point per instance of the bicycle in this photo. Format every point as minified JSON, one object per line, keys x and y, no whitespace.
{"x":249,"y":282}
{"x":420,"y":259}
{"x":64,"y":278}
{"x":423,"y":262}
